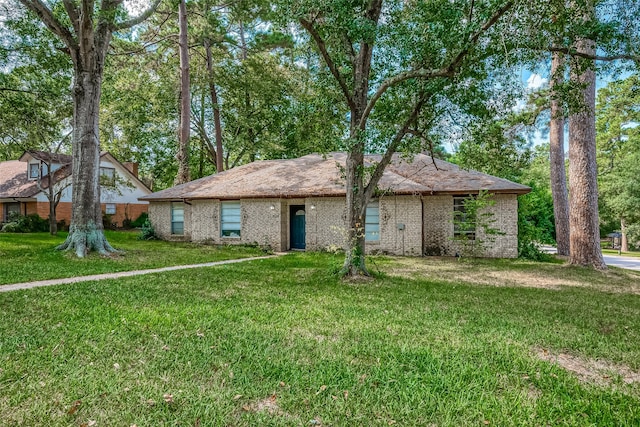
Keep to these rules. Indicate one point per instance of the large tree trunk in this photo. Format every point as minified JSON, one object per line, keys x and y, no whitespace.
{"x":583,"y":170}
{"x":216,"y":109}
{"x":86,"y":231}
{"x":184,"y":131}
{"x":556,"y":155}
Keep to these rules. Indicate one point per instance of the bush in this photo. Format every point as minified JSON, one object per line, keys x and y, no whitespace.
{"x":25,"y":224}
{"x":147,"y":232}
{"x":139,"y":222}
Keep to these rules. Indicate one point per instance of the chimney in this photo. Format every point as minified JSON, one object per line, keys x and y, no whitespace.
{"x":133,"y":167}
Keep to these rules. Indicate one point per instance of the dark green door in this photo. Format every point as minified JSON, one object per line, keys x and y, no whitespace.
{"x":297,"y":221}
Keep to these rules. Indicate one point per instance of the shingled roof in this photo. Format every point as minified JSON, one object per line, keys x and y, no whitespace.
{"x":14,"y":182}
{"x":316,"y":175}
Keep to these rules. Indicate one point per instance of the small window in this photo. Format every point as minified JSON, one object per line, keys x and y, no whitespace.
{"x":108,"y":176}
{"x":463,"y":225}
{"x":11,"y":210}
{"x":177,"y":218}
{"x":372,"y":223}
{"x":34,"y":170}
{"x":110,"y":209}
{"x":230,"y":222}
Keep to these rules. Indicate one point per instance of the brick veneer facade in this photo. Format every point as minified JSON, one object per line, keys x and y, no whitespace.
{"x":63,"y":211}
{"x":409,"y":225}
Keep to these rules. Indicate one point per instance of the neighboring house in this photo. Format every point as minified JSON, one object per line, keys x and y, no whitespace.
{"x":300,"y":204}
{"x":24,"y":184}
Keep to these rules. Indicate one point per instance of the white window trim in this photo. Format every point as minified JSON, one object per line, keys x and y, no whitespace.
{"x":373,"y":204}
{"x":229,"y":203}
{"x":173,"y":221}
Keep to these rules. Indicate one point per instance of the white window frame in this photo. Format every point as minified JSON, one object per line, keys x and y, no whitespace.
{"x":33,"y":166}
{"x":110,"y":208}
{"x":177,"y":218}
{"x":108,"y":178}
{"x":372,"y":222}
{"x":231,"y":219}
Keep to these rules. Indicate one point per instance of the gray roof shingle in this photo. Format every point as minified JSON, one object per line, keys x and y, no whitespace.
{"x":316,"y":175}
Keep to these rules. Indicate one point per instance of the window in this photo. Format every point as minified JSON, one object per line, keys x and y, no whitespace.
{"x":372,"y":223}
{"x":11,"y":209}
{"x":230,"y":222}
{"x":34,"y":170}
{"x":110,"y":209}
{"x":177,"y":218}
{"x":108,"y":176}
{"x":463,"y":224}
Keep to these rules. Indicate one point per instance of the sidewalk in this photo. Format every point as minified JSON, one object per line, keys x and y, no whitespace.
{"x":67,"y":280}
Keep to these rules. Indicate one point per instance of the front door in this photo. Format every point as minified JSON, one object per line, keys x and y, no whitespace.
{"x":297,"y":221}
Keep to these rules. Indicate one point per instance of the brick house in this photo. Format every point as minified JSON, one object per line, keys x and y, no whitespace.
{"x":300,"y":204}
{"x":24,"y":183}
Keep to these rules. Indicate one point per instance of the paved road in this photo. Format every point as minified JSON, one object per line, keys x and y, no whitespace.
{"x":630,"y":263}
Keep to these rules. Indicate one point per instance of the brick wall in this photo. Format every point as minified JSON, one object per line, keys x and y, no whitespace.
{"x":326,"y":223}
{"x":438,"y":227}
{"x":395,"y":210}
{"x":428,"y":225}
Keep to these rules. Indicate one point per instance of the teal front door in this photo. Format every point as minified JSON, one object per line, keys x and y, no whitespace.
{"x":297,"y":221}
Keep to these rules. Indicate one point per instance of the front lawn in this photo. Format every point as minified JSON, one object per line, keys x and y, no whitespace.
{"x":283,"y":342}
{"x":31,"y":256}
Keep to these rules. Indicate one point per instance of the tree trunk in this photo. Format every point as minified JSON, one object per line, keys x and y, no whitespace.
{"x":216,"y":109}
{"x":556,"y":155}
{"x":354,"y":262}
{"x":86,"y":231}
{"x":184,"y":131}
{"x":624,"y":242}
{"x":583,"y":170}
{"x":53,"y":224}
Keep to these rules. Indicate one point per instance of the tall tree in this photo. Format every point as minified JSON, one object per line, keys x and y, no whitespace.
{"x":85,"y":29}
{"x":403,"y":59}
{"x":583,"y":169}
{"x":556,"y":156}
{"x":184,"y":125}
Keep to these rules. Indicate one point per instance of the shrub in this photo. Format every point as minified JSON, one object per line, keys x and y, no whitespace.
{"x":25,"y":224}
{"x":147,"y":232}
{"x":139,"y":222}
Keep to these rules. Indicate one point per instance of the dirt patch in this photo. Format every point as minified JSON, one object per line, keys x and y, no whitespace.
{"x":265,"y":405}
{"x":546,"y":277}
{"x":588,"y":370}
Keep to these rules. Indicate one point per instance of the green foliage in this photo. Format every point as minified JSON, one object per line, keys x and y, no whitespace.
{"x":140,"y":221}
{"x":618,"y":144}
{"x":147,"y":232}
{"x":25,"y":224}
{"x":473,"y":225}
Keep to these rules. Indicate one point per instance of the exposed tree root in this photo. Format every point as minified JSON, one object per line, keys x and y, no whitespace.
{"x":86,"y":239}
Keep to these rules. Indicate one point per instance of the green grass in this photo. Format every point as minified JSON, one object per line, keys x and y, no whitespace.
{"x":418,"y":345}
{"x":31,"y":256}
{"x":615,"y":252}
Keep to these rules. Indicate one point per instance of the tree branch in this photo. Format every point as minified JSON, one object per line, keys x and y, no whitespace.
{"x":573,"y":52}
{"x":56,"y":27}
{"x":328,"y":60}
{"x":139,"y":19}
{"x":388,"y":155}
{"x":446,"y":71}
{"x":72,"y":11}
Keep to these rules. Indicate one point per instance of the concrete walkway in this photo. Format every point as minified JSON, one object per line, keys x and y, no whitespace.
{"x":63,"y":281}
